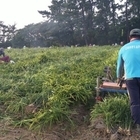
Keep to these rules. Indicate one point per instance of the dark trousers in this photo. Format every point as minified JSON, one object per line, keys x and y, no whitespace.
{"x":133,"y":87}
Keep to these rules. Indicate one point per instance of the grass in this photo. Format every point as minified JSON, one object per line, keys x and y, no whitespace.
{"x":115,"y":111}
{"x":54,"y":80}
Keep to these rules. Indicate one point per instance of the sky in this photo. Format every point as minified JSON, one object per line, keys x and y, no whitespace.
{"x":22,"y":12}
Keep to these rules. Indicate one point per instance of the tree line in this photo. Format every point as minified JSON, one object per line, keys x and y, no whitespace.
{"x":80,"y":23}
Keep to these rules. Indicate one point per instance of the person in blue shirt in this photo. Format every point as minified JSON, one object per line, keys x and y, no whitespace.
{"x":128,"y":63}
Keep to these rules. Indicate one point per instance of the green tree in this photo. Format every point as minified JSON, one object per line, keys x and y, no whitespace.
{"x":7,"y":33}
{"x":83,"y":22}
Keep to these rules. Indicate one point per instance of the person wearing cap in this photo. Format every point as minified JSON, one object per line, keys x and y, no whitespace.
{"x":2,"y":52}
{"x":128,"y":62}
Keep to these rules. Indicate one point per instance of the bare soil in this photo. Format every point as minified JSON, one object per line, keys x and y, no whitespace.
{"x":83,"y":130}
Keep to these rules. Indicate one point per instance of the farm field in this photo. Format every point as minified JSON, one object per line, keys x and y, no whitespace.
{"x":49,"y":94}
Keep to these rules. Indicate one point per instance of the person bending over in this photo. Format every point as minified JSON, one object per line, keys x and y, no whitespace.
{"x":2,"y":52}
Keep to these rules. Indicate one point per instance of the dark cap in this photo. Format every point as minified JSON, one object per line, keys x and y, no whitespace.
{"x":135,"y":32}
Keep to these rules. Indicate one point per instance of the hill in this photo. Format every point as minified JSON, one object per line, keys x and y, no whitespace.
{"x":52,"y":90}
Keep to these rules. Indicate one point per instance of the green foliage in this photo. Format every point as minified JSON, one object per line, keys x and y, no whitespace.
{"x":46,"y":118}
{"x":114,"y":111}
{"x":53,"y":80}
{"x":82,"y":22}
{"x":7,"y":33}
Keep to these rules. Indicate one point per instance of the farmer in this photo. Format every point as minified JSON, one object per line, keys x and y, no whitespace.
{"x":129,"y":61}
{"x":2,"y":52}
{"x":5,"y":58}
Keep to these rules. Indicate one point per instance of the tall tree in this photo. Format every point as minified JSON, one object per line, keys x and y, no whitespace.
{"x":7,"y":33}
{"x":84,"y":22}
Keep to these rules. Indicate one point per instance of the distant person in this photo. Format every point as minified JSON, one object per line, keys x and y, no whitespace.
{"x":2,"y":52}
{"x":129,"y":61}
{"x":4,"y":58}
{"x":121,"y":43}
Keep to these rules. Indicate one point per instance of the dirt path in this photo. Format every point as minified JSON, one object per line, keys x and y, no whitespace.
{"x":83,"y":133}
{"x":9,"y":133}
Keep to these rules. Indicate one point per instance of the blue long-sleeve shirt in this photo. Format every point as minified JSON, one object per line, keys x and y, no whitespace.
{"x":129,"y":60}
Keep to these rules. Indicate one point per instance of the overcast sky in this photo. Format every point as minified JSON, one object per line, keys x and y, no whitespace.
{"x":22,"y":12}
